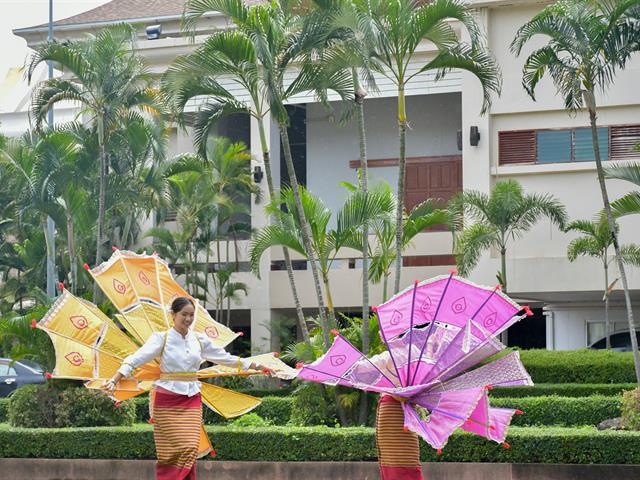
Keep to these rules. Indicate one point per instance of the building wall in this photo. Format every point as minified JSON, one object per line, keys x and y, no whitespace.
{"x":537,"y":261}
{"x":434,"y":122}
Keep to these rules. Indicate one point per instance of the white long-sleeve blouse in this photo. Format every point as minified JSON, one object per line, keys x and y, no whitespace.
{"x":181,"y":354}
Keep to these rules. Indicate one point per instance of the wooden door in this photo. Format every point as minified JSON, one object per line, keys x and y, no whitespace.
{"x":439,"y":178}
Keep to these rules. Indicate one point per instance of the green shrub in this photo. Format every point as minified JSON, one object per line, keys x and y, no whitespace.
{"x":4,"y":403}
{"x":33,"y":406}
{"x":631,"y":409}
{"x":563,"y":390}
{"x":578,"y":366}
{"x":233,"y":382}
{"x":250,"y":420}
{"x":311,"y":406}
{"x":528,"y":445}
{"x":272,"y":392}
{"x":276,"y":410}
{"x":538,"y":410}
{"x":561,"y":411}
{"x":82,"y":407}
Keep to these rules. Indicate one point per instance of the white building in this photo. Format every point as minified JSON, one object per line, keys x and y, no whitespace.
{"x":567,"y":295}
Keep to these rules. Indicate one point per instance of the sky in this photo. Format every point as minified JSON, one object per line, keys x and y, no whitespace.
{"x":27,"y":13}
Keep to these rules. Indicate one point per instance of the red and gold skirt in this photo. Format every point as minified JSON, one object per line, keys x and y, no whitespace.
{"x":178,"y":433}
{"x":398,"y":451}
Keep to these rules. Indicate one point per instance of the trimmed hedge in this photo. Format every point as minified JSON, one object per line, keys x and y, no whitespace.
{"x":563,"y":390}
{"x":578,"y":366}
{"x":528,"y":445}
{"x":276,"y":410}
{"x":550,"y":410}
{"x":273,"y":392}
{"x":561,"y":411}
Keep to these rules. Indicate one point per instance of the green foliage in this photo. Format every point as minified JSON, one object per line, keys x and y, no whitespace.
{"x":561,"y":411}
{"x":250,"y":420}
{"x":23,"y":342}
{"x":563,"y":390}
{"x":58,"y":404}
{"x":579,"y":366}
{"x":528,"y":445}
{"x":233,"y":382}
{"x":311,"y":406}
{"x":34,"y":406}
{"x":631,"y":409}
{"x":82,"y":407}
{"x":492,"y":221}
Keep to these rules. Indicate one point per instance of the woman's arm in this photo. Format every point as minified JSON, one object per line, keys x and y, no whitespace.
{"x":150,"y":350}
{"x":219,"y":355}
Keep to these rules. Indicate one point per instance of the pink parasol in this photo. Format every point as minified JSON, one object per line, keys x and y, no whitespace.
{"x":435,"y":332}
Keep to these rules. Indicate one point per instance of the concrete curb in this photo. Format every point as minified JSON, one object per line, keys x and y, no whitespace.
{"x":81,"y":469}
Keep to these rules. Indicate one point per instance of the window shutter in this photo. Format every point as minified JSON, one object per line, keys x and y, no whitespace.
{"x":554,"y":146}
{"x":583,"y":144}
{"x":517,"y":147}
{"x":623,"y":141}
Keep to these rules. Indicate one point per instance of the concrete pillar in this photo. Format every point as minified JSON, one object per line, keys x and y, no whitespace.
{"x":261,"y":311}
{"x":476,"y":160}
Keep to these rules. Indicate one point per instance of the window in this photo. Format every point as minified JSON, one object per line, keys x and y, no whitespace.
{"x":595,"y":330}
{"x":575,"y":145}
{"x":7,"y":371}
{"x":547,"y":146}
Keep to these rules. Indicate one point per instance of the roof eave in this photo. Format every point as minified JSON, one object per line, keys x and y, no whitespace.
{"x":28,"y":33}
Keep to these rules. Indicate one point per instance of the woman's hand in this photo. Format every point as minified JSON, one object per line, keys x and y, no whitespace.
{"x":109,"y":386}
{"x":267,"y":370}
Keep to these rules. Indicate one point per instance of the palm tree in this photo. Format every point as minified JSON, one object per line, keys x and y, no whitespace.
{"x":595,"y":242}
{"x":383,"y":256}
{"x":628,"y":204}
{"x":37,"y":164}
{"x":355,"y":52}
{"x":399,"y":28}
{"x":26,"y":342}
{"x":229,"y":55}
{"x":504,"y":215}
{"x":326,"y":242}
{"x":109,"y":80}
{"x":588,"y":43}
{"x":284,"y":36}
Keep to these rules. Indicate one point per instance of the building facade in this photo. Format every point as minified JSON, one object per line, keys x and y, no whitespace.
{"x":536,"y":143}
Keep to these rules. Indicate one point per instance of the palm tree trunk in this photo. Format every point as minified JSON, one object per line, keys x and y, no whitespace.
{"x":126,"y":231}
{"x":614,"y":234}
{"x":606,"y":303}
{"x":73,"y":260}
{"x":228,"y":292}
{"x":206,"y":266}
{"x":266,"y":158}
{"x":101,"y":201}
{"x":504,"y":336}
{"x":385,"y":287}
{"x":363,"y":412}
{"x":306,"y":233}
{"x":49,"y":239}
{"x":503,"y":268}
{"x":402,"y":127}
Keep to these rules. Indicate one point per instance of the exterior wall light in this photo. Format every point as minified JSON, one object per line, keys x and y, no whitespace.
{"x":474,"y":136}
{"x":257,"y":174}
{"x":154,"y":32}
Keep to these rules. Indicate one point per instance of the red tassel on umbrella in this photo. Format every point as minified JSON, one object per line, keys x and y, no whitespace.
{"x":34,"y":324}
